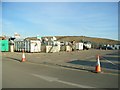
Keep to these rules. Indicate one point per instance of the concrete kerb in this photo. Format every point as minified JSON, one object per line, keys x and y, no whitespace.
{"x":86,"y":68}
{"x":77,"y":67}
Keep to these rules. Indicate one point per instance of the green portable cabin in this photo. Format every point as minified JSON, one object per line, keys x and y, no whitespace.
{"x":4,"y":45}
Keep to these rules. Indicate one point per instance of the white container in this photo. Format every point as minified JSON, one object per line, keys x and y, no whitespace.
{"x":79,"y":46}
{"x":32,"y":46}
{"x":117,"y":47}
{"x":11,"y":48}
{"x":19,"y":45}
{"x":48,"y":47}
{"x":62,"y":48}
{"x":18,"y":48}
{"x":43,"y":48}
{"x":27,"y":46}
{"x":68,"y":48}
{"x":88,"y":45}
{"x":52,"y":49}
{"x":55,"y":48}
{"x":15,"y":46}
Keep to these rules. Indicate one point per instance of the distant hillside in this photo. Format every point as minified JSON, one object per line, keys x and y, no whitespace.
{"x":95,"y":41}
{"x":84,"y":38}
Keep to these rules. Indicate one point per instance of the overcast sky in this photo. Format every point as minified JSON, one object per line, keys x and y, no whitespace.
{"x":93,"y":19}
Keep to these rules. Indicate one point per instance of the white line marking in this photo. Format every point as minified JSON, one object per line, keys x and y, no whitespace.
{"x":73,"y":84}
{"x":51,"y":79}
{"x":110,"y":61}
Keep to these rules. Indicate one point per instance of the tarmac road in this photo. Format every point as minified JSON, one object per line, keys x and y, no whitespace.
{"x":27,"y":74}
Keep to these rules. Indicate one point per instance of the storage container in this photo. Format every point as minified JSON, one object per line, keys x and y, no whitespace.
{"x":19,"y":46}
{"x":79,"y":46}
{"x":32,"y":45}
{"x":68,"y":48}
{"x":52,"y":49}
{"x":63,"y":48}
{"x":4,"y":45}
{"x":43,"y":48}
{"x":11,"y":48}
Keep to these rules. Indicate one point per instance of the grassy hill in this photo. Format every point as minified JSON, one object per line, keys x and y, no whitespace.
{"x":90,"y":39}
{"x":95,"y":41}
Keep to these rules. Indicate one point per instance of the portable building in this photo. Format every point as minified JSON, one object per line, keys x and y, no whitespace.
{"x":52,"y":48}
{"x":32,"y":45}
{"x":87,"y":46}
{"x":68,"y":48}
{"x":117,"y":47}
{"x":63,"y":48}
{"x":79,"y":46}
{"x":19,"y":45}
{"x":4,"y":45}
{"x":28,"y":46}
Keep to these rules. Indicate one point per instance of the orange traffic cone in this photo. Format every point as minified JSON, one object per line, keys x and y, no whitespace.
{"x":98,"y":68}
{"x":23,"y":57}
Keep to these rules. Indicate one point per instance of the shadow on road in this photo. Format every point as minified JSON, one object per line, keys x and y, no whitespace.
{"x":110,"y":66}
{"x":110,"y":58}
{"x":113,"y":54}
{"x":82,"y":62}
{"x":14,"y":59}
{"x":93,"y":64}
{"x":76,"y":68}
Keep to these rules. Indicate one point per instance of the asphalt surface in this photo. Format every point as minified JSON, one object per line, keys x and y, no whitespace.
{"x":59,"y":70}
